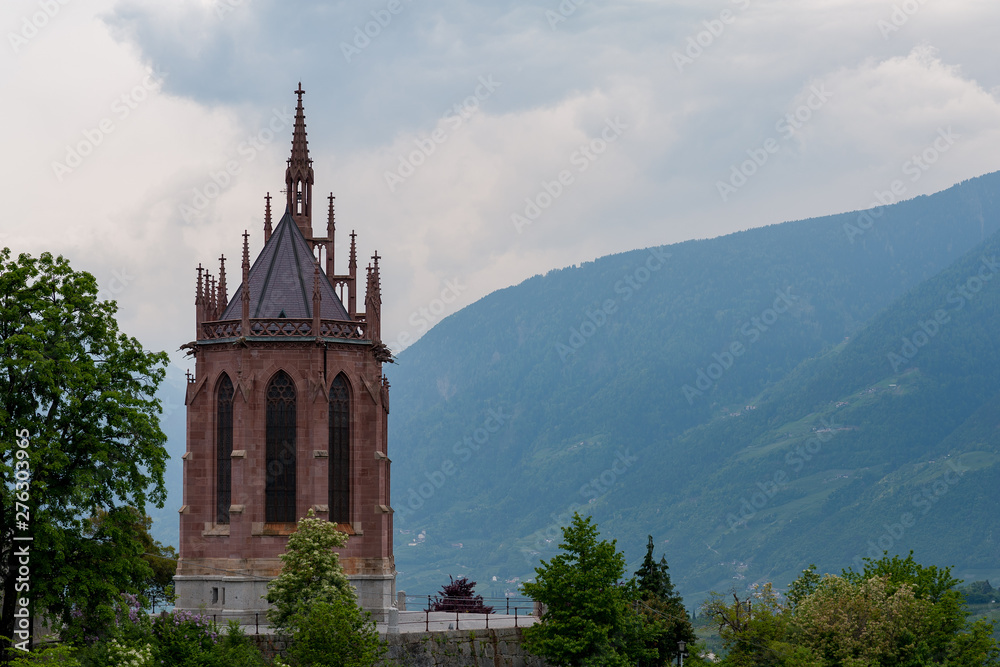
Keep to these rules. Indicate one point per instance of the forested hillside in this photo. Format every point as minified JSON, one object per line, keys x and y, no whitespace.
{"x":660,"y":388}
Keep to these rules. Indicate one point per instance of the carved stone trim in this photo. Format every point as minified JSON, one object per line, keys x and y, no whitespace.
{"x":245,"y":385}
{"x":371,"y":390}
{"x":216,"y":530}
{"x":282,"y":328}
{"x":193,"y":388}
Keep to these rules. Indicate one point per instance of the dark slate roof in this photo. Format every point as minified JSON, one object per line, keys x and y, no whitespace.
{"x":281,"y":280}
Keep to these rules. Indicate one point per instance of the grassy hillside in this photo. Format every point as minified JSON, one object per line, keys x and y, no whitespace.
{"x":616,"y":385}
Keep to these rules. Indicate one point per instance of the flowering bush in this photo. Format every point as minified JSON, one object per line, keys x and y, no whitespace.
{"x":129,"y":656}
{"x":178,"y":639}
{"x":311,"y":572}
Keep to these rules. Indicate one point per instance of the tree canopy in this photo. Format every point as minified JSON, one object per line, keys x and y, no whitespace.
{"x":310,"y":571}
{"x":591,"y":615}
{"x":313,"y":601}
{"x":894,"y":612}
{"x":80,"y":396}
{"x":663,"y":609}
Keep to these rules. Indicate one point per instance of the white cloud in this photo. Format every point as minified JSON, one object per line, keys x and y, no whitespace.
{"x":225,"y":75}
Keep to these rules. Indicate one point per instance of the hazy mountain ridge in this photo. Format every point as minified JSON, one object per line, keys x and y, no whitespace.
{"x":568,"y":417}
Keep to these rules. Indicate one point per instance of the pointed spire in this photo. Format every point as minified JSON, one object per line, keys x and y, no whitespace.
{"x":267,"y":218}
{"x":199,"y":303}
{"x":245,"y":326}
{"x":223,"y":296}
{"x":331,"y":228}
{"x":373,"y":301}
{"x":352,"y":285}
{"x":214,"y":298}
{"x":299,"y":175}
{"x":300,"y":145}
{"x":198,"y":294}
{"x":209,"y":296}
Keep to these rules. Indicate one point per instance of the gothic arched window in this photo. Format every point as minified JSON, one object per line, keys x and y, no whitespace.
{"x":224,"y":450}
{"x":340,"y":451}
{"x":279,"y":487}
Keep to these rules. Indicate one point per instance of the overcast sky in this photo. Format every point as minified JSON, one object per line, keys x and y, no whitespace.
{"x":473,"y":144}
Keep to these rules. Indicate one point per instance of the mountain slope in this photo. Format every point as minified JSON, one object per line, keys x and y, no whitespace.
{"x":857,"y":451}
{"x":582,"y":387}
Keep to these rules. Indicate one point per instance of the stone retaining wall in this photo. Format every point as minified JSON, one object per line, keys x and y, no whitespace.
{"x":502,"y":647}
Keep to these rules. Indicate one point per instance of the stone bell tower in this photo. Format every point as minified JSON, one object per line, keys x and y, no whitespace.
{"x":287,"y":411}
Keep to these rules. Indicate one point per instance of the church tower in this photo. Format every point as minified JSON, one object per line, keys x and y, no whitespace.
{"x":287,"y":411}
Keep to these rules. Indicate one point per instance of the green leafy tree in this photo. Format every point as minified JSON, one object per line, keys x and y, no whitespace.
{"x":804,"y":586}
{"x":948,"y":637}
{"x":113,"y":539}
{"x":234,"y":648}
{"x":337,"y":634}
{"x":61,"y":655}
{"x":80,"y":396}
{"x":755,"y":630}
{"x":869,"y":622}
{"x":928,"y":582}
{"x":313,"y":601}
{"x":589,"y":616}
{"x":979,"y":592}
{"x":310,"y":572}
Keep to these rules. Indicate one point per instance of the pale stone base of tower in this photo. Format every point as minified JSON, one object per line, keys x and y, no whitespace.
{"x":244,"y":598}
{"x":376,"y":593}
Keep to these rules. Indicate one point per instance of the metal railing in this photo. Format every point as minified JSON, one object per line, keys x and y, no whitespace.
{"x":505,"y":612}
{"x":417,"y":612}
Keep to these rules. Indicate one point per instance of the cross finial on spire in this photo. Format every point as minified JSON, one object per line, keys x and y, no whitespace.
{"x":300,"y":93}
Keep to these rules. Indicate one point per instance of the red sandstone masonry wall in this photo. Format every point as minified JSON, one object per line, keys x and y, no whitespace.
{"x":251,"y":368}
